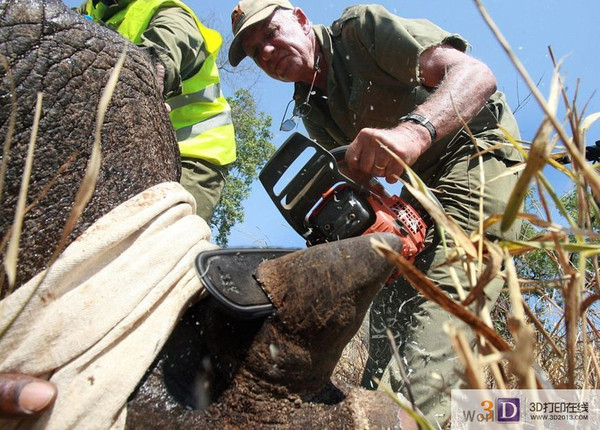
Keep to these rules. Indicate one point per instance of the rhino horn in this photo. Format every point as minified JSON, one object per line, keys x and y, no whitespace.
{"x":321,"y":295}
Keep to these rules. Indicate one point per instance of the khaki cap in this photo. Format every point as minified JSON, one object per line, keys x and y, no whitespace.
{"x":245,"y":14}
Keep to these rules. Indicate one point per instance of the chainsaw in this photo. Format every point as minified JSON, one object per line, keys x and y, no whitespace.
{"x":309,"y":186}
{"x":313,"y":190}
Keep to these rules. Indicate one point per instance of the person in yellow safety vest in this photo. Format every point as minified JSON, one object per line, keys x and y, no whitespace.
{"x":199,"y":113}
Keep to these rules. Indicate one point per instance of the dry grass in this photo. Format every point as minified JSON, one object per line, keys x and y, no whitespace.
{"x":560,"y":335}
{"x":545,"y":332}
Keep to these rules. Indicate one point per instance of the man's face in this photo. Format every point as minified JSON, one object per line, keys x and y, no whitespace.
{"x":281,"y":46}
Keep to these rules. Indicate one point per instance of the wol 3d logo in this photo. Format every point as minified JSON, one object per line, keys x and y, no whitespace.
{"x":504,"y":410}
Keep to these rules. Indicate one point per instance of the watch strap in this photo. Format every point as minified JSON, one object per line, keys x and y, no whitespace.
{"x":420,"y":119}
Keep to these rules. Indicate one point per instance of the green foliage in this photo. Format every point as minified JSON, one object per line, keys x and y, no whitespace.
{"x":536,"y":264}
{"x":543,"y":264}
{"x":254,"y":148}
{"x":570,"y":201}
{"x":541,"y":268}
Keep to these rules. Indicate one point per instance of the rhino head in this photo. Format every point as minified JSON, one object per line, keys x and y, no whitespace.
{"x":49,"y":49}
{"x":276,"y":371}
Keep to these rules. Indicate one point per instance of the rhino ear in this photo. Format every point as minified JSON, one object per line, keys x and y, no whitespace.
{"x":169,"y":83}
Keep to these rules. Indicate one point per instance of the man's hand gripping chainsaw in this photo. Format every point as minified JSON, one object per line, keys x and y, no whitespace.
{"x":308,"y":185}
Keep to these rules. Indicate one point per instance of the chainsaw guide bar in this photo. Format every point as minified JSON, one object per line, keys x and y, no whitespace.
{"x":228,"y":275}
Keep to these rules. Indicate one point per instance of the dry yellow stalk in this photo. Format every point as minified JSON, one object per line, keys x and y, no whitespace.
{"x":12,"y":253}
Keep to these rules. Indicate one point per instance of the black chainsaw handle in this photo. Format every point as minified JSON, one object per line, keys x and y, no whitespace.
{"x":340,"y":153}
{"x":374,"y":184}
{"x":364,"y":179}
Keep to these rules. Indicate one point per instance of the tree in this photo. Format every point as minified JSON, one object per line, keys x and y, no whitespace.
{"x":254,"y":148}
{"x":543,"y":264}
{"x":538,"y":265}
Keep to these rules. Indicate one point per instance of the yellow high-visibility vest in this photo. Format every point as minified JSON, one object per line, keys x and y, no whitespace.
{"x":200,"y":115}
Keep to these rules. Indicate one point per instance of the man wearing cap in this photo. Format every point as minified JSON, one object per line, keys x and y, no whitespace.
{"x":378,"y":82}
{"x":200,"y":115}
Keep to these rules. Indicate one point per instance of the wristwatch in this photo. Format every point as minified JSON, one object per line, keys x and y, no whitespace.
{"x":420,"y":119}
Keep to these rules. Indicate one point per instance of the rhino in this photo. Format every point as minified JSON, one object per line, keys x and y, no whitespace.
{"x":216,"y":370}
{"x":50,"y":49}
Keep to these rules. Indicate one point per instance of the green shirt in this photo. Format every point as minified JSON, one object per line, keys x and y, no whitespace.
{"x":175,"y":38}
{"x":372,"y":61}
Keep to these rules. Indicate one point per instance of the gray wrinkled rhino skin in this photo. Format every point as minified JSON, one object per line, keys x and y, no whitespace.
{"x":275,"y":372}
{"x":54,"y":50}
{"x":272,"y":372}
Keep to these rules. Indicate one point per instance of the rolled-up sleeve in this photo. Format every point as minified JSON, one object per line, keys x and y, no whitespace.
{"x":173,"y":34}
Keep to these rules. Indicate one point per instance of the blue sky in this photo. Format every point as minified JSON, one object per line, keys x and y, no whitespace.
{"x":530,"y":26}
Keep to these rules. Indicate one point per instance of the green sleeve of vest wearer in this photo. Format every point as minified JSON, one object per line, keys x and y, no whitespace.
{"x":395,"y":43}
{"x":173,"y":33}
